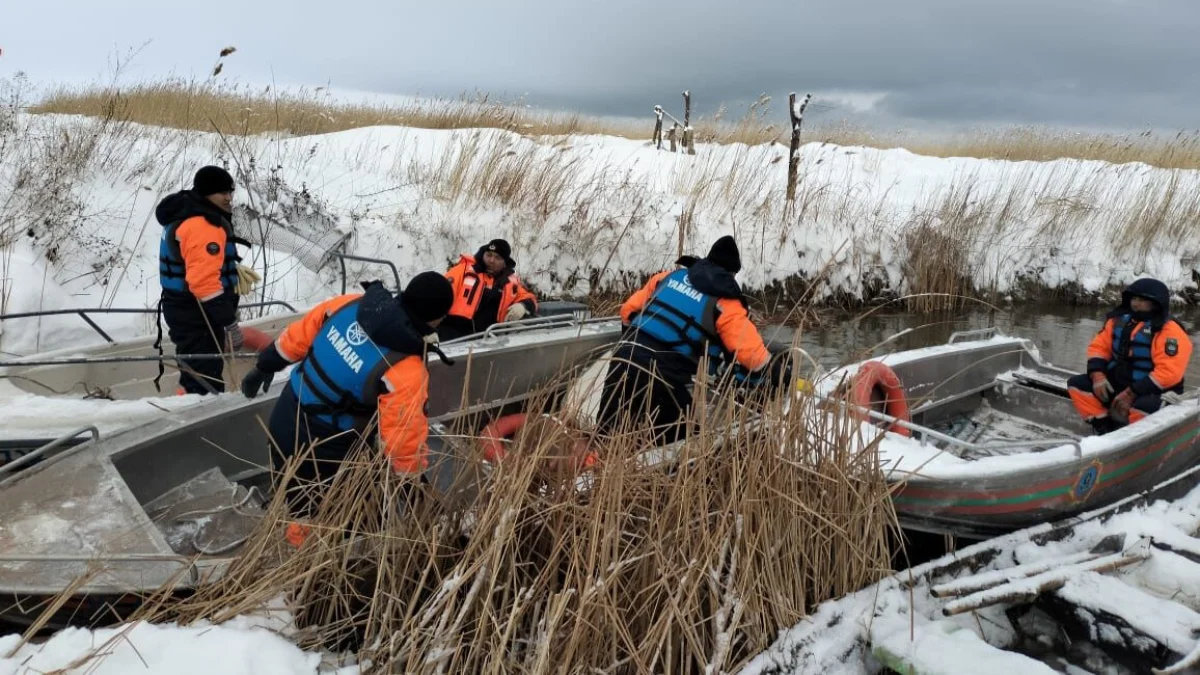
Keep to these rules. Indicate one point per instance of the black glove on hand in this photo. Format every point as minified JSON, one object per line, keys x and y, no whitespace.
{"x":254,"y":380}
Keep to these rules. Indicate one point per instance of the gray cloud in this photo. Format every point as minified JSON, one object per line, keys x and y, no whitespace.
{"x":1088,"y":63}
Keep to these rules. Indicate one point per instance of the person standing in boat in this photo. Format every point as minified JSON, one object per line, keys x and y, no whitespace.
{"x":1139,"y":354}
{"x":199,"y":274}
{"x":358,"y":355}
{"x":678,"y":317}
{"x":486,"y":291}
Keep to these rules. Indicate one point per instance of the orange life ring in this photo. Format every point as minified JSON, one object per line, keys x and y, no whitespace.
{"x":495,"y":433}
{"x":503,"y":428}
{"x":873,"y":377}
{"x":255,"y":340}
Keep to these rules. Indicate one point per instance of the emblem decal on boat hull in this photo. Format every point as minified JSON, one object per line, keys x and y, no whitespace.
{"x":1087,"y":480}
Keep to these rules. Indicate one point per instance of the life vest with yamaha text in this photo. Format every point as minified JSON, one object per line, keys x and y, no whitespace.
{"x":681,"y":318}
{"x":340,"y":379}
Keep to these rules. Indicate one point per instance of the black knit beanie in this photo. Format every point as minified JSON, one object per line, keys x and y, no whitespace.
{"x":428,"y":296}
{"x":725,"y":254}
{"x":211,"y":180}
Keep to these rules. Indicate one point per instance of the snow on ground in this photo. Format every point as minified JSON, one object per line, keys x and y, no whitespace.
{"x":833,"y":640}
{"x":579,"y":204}
{"x":575,"y":209}
{"x":237,"y":647}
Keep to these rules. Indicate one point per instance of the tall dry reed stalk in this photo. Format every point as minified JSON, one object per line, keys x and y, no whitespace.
{"x":212,"y":103}
{"x":684,"y":561}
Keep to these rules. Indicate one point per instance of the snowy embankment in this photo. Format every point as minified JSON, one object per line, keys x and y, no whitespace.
{"x":242,"y":646}
{"x":77,"y":228}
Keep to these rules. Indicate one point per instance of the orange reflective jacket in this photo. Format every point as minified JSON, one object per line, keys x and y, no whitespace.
{"x":1164,"y":363}
{"x":403,"y":427}
{"x":470,"y":284}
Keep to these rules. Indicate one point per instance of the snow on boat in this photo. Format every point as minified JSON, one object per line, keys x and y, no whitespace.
{"x":136,"y":508}
{"x":127,"y":369}
{"x":1115,"y":590}
{"x":111,"y":385}
{"x":995,"y":445}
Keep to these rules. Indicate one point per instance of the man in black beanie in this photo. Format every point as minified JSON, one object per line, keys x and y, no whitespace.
{"x":357,"y":355}
{"x":486,"y":291}
{"x":198,"y":273}
{"x":677,"y":318}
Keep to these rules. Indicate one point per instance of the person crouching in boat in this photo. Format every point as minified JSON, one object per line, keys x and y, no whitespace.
{"x":357,"y":354}
{"x":486,"y":291}
{"x":1140,"y":353}
{"x":679,"y":316}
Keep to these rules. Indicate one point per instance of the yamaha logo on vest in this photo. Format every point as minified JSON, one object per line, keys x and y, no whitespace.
{"x":685,"y":288}
{"x":355,"y":335}
{"x":343,"y":346}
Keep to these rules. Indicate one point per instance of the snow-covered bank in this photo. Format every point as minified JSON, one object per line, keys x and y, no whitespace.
{"x":237,"y":647}
{"x":582,"y":212}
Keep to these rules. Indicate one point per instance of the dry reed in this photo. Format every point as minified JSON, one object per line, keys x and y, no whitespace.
{"x":690,"y":562}
{"x":210,"y":104}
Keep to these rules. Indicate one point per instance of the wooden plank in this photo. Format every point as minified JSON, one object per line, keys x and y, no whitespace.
{"x":1027,"y":589}
{"x":944,"y":648}
{"x":992,"y":578}
{"x":1169,"y":623}
{"x":1030,"y":377}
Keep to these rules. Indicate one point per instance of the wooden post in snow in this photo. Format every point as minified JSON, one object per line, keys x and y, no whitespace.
{"x":687,"y":123}
{"x":674,"y":131}
{"x":797,"y":116}
{"x":658,"y":113}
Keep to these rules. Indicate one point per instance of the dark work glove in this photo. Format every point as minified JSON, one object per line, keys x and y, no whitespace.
{"x":254,"y":380}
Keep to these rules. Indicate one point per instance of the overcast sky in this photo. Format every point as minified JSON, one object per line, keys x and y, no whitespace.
{"x":1116,"y":64}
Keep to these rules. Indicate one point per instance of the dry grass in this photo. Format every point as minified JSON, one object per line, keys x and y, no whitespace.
{"x":689,"y":567}
{"x":211,"y":104}
{"x":962,"y":238}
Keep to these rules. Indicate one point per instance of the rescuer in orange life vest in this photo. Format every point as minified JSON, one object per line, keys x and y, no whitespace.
{"x":198,"y":272}
{"x":486,"y":291}
{"x":676,"y":318}
{"x":1140,"y":353}
{"x":358,"y":354}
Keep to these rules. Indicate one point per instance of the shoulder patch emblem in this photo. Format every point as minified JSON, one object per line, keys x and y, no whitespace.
{"x":212,"y":248}
{"x":1172,"y":347}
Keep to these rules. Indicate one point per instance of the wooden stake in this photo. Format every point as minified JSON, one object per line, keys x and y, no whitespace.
{"x":687,"y":123}
{"x":797,"y":116}
{"x":658,"y":124}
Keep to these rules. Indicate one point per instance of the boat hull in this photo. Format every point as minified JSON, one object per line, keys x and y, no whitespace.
{"x":86,"y":504}
{"x":992,"y":496}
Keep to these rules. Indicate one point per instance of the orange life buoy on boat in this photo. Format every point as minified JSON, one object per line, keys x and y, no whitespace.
{"x":497,"y":431}
{"x":877,"y":382}
{"x":255,"y":340}
{"x":505,"y":427}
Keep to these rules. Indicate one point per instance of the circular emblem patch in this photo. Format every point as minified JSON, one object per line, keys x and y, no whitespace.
{"x":212,"y":248}
{"x":1086,"y":481}
{"x":355,"y":334}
